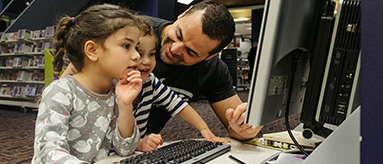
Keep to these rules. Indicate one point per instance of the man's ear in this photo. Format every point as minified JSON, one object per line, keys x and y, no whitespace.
{"x":211,"y":56}
{"x":181,"y":15}
{"x":91,"y":50}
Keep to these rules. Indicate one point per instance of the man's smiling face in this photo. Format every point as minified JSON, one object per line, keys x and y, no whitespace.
{"x":183,"y":42}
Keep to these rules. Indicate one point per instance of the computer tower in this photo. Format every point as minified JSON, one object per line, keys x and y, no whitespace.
{"x":333,"y":90}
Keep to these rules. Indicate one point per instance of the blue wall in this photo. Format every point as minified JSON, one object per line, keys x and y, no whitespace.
{"x":372,"y":82}
{"x":148,"y":7}
{"x":164,"y":9}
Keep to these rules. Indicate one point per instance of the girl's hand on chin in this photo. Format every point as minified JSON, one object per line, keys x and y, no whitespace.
{"x":128,"y":88}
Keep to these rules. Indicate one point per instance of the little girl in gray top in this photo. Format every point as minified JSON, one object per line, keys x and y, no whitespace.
{"x":79,"y":120}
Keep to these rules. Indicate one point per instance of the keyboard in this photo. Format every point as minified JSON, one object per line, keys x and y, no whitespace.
{"x":182,"y":151}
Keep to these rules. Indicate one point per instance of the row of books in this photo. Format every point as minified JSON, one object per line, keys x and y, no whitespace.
{"x":25,"y":34}
{"x":36,"y":61}
{"x":25,"y":48}
{"x":20,"y":91}
{"x":22,"y":76}
{"x":26,"y":41}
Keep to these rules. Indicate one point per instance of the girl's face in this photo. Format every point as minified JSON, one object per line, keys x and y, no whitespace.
{"x":119,"y":55}
{"x":146,"y":48}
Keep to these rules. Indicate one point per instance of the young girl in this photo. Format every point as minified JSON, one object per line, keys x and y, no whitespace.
{"x":78,"y":119}
{"x":155,"y":93}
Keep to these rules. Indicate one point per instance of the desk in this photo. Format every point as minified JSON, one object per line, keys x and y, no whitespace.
{"x":342,"y":146}
{"x":249,"y":154}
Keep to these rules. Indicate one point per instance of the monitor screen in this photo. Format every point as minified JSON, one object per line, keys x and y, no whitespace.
{"x":287,"y":33}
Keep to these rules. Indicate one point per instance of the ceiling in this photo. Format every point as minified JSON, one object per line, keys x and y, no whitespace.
{"x":240,"y":3}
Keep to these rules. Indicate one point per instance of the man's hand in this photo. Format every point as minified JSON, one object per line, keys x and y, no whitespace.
{"x":150,"y":142}
{"x":236,"y":120}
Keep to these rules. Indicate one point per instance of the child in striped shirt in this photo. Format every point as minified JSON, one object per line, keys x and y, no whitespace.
{"x":155,"y":93}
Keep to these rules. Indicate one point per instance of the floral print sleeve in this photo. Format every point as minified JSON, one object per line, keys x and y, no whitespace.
{"x":125,"y":146}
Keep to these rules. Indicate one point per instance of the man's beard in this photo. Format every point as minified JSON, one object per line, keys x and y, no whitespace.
{"x":163,"y":54}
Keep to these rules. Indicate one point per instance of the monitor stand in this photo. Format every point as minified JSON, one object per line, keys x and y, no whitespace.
{"x":342,"y":145}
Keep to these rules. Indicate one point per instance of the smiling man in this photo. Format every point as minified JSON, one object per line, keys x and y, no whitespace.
{"x":187,"y":62}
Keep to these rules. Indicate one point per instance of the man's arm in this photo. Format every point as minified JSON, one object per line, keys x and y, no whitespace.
{"x":231,"y":112}
{"x":191,"y":116}
{"x":69,"y":70}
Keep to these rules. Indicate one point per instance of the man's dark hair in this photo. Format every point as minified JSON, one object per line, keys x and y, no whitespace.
{"x":217,"y":22}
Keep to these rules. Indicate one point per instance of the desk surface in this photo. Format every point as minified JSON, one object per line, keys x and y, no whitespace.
{"x":249,"y":154}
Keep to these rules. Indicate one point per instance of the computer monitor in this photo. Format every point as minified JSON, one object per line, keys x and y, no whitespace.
{"x":288,"y":30}
{"x":325,"y":87}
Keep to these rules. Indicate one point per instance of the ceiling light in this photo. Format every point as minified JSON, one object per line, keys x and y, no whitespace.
{"x":241,"y":19}
{"x":186,"y":2}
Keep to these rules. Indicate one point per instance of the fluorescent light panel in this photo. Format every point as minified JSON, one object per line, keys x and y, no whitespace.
{"x":186,"y":2}
{"x":241,"y":19}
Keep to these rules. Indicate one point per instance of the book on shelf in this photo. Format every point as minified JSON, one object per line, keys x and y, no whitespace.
{"x":11,"y":36}
{"x":23,"y":34}
{"x":16,"y":62}
{"x":5,"y":90}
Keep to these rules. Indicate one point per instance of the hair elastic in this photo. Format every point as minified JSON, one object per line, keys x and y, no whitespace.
{"x":73,"y":20}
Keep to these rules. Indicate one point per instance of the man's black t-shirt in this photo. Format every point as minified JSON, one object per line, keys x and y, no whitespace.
{"x":210,"y":78}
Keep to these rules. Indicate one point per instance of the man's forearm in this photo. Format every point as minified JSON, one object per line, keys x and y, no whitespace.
{"x":191,"y":116}
{"x":69,"y":70}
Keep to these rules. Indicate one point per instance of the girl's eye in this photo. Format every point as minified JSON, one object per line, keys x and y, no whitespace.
{"x":127,"y":46}
{"x":152,"y":54}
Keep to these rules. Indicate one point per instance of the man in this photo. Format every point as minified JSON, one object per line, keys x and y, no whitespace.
{"x":187,"y":62}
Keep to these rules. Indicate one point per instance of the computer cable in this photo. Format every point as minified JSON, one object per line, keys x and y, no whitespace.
{"x":295,"y":60}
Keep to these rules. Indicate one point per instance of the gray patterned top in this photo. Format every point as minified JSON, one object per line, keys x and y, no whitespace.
{"x":76,"y":125}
